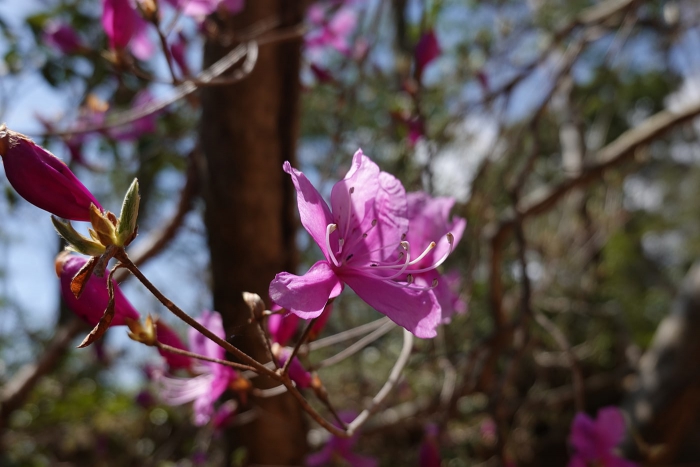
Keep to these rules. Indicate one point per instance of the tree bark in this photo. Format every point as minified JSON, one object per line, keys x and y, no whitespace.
{"x":665,"y":404}
{"x":247,"y":131}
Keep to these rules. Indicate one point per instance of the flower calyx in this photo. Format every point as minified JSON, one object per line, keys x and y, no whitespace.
{"x":144,"y":333}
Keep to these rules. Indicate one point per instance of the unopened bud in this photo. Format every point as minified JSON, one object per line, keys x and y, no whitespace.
{"x":42,"y":178}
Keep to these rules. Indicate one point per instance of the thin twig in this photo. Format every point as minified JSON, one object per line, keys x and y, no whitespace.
{"x":297,"y":346}
{"x":186,"y":353}
{"x":563,"y":343}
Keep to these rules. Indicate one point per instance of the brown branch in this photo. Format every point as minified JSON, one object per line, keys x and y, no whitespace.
{"x":563,"y":343}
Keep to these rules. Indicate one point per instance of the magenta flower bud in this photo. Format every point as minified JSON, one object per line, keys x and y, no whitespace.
{"x":297,"y":372}
{"x":62,"y":37}
{"x":427,"y":50}
{"x":282,"y":326}
{"x":429,"y":455}
{"x":93,"y":302}
{"x":43,"y":179}
{"x":124,"y":26}
{"x":168,"y":336}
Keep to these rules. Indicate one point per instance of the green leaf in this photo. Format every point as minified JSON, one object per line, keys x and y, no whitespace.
{"x":76,"y":241}
{"x":129,"y":214}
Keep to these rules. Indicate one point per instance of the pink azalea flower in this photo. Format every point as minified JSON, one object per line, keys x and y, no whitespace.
{"x":43,"y":179}
{"x":341,"y":449}
{"x":594,"y":441}
{"x":212,"y":379}
{"x":363,"y":241}
{"x":427,"y":50}
{"x":62,"y":37}
{"x":430,"y":219}
{"x":429,"y":455}
{"x":124,"y":27}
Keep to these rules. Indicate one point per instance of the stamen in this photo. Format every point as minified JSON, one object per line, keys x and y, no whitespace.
{"x":450,"y":240}
{"x":422,"y":255}
{"x":330,"y":228}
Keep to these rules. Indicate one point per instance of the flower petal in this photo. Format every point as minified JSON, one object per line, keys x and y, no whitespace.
{"x":313,"y":210}
{"x":391,"y":212}
{"x":583,"y":436}
{"x":307,"y":295}
{"x":610,"y":427}
{"x":446,"y":291}
{"x":353,"y":196}
{"x":416,"y":310}
{"x":202,"y":345}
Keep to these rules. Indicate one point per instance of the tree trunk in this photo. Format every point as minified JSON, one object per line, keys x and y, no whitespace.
{"x":247,"y":131}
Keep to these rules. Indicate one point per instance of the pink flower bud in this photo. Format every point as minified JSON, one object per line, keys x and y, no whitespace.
{"x":62,"y":37}
{"x":168,"y":336}
{"x":123,"y":25}
{"x":43,"y":179}
{"x":282,"y":326}
{"x":92,"y":303}
{"x":427,"y":50}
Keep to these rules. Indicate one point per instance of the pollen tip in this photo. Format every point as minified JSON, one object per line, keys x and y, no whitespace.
{"x":409,"y":279}
{"x":435,"y":282}
{"x":432,"y":245}
{"x":374,"y":222}
{"x":404,"y":245}
{"x":332,"y":227}
{"x":351,"y":190}
{"x":450,"y":237}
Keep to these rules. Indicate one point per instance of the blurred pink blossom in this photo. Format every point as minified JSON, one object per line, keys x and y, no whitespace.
{"x":124,"y":27}
{"x":427,"y":50}
{"x":594,"y":441}
{"x":62,"y":37}
{"x":341,"y":449}
{"x":212,"y":378}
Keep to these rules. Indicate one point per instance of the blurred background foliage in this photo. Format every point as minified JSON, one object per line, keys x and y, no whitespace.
{"x":522,"y":97}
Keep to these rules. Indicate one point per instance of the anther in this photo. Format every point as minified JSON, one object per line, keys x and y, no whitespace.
{"x":351,"y":190}
{"x":409,"y":279}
